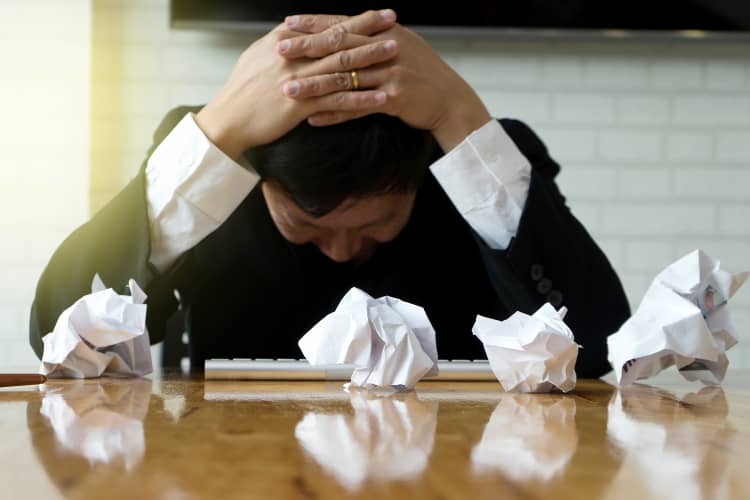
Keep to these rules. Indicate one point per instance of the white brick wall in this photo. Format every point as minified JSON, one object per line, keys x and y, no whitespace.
{"x":690,"y":147}
{"x":44,"y":137}
{"x":733,"y":146}
{"x":654,"y":138}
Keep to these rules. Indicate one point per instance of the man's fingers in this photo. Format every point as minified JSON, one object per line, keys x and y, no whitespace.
{"x":370,"y":22}
{"x":352,"y":59}
{"x":321,"y":44}
{"x":280,"y":27}
{"x":364,"y":101}
{"x":334,"y":117}
{"x":367,"y":23}
{"x":319,"y":85}
{"x":313,"y":23}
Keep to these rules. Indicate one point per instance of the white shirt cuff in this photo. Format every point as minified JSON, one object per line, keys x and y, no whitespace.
{"x":192,"y":187}
{"x":487,"y":179}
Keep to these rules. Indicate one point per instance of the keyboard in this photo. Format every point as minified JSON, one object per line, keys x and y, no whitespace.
{"x":300,"y":369}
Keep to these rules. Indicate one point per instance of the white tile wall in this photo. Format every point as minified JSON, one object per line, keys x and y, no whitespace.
{"x":654,"y":138}
{"x":44,"y":139}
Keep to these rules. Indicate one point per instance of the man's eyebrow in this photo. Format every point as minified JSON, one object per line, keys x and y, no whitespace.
{"x":385,"y":218}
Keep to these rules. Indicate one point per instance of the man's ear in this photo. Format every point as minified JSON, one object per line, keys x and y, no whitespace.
{"x":277,"y":196}
{"x":276,"y":190}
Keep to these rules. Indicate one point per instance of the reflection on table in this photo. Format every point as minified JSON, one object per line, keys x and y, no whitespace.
{"x":187,"y":438}
{"x":676,"y":447}
{"x":528,"y":437}
{"x":387,"y":437}
{"x":100,"y":422}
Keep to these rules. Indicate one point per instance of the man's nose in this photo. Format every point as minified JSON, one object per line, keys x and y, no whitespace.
{"x":341,"y":246}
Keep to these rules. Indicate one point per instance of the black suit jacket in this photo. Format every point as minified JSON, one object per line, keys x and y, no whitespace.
{"x":247,"y":292}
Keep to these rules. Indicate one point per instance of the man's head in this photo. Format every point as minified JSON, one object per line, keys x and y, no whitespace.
{"x":344,"y":187}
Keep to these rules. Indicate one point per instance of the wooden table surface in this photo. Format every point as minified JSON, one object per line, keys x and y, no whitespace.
{"x":180,"y":438}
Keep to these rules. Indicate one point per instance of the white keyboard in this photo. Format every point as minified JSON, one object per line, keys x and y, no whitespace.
{"x":300,"y":369}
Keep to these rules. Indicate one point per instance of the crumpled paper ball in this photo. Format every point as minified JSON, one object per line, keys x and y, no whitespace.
{"x":534,"y":353}
{"x":683,"y":320}
{"x":101,"y":333}
{"x":389,"y":341}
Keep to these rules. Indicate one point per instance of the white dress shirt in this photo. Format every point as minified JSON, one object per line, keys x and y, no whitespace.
{"x":192,"y":187}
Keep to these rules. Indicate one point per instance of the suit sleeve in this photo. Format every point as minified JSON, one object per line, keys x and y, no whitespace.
{"x":552,"y":258}
{"x":115,"y":244}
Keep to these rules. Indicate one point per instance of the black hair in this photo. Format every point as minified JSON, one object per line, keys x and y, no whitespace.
{"x":320,"y":167}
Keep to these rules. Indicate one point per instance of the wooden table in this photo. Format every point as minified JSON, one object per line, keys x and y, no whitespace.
{"x":180,"y":438}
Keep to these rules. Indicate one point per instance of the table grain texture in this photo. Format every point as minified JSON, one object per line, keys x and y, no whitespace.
{"x":182,"y":437}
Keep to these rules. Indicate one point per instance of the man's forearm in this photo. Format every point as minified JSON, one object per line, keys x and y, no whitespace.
{"x":487,"y":179}
{"x":467,"y":115}
{"x":191,"y":189}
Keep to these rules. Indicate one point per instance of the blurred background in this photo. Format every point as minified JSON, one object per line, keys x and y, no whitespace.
{"x":653,"y":136}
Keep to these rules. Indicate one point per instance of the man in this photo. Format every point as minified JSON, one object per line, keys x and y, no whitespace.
{"x":308,"y":174}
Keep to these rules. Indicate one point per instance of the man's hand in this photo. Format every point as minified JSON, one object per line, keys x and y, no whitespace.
{"x":336,"y":33}
{"x":421,"y":88}
{"x":252,"y":109}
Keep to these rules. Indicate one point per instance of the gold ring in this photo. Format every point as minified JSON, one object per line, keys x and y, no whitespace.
{"x":355,"y":80}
